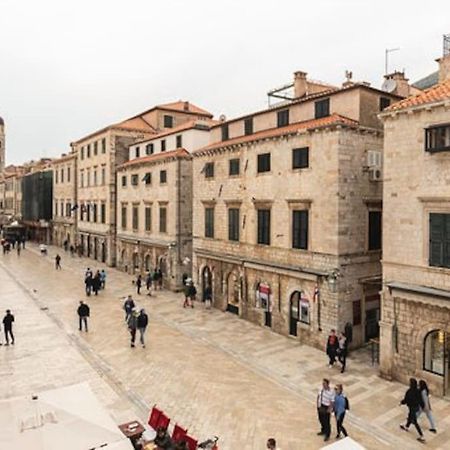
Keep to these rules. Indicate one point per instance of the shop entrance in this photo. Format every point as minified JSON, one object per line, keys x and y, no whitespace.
{"x":233,"y":293}
{"x":294,"y":312}
{"x":206,"y":282}
{"x":372,"y":317}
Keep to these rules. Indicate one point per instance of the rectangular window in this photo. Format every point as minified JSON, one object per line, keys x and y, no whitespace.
{"x":439,"y":252}
{"x":61,"y":211}
{"x":103,"y":176}
{"x":62,"y":175}
{"x":88,"y":155}
{"x":357,"y":312}
{"x":168,"y":121}
{"x":263,"y":226}
{"x":148,"y":218}
{"x":163,"y":220}
{"x":437,"y":139}
{"x":135,"y":220}
{"x":209,"y":222}
{"x":88,"y":212}
{"x":95,"y":148}
{"x":88,"y":177}
{"x":104,"y":145}
{"x":234,"y":166}
{"x":233,"y":224}
{"x":322,"y":108}
{"x":82,"y":179}
{"x":82,"y":153}
{"x":300,"y":229}
{"x":248,"y":126}
{"x":68,"y":209}
{"x":56,"y":176}
{"x":283,"y":118}
{"x":179,"y":141}
{"x":95,"y":177}
{"x":384,"y":103}
{"x":68,"y":174}
{"x":163,"y":176}
{"x":147,"y":178}
{"x":103,"y":213}
{"x":374,"y":230}
{"x":137,"y":152}
{"x":56,"y":208}
{"x":163,"y":145}
{"x":209,"y":170}
{"x":264,"y":162}
{"x":134,"y":179}
{"x":149,"y":149}
{"x":124,"y":180}
{"x":124,"y":217}
{"x":300,"y":158}
{"x":225,"y":132}
{"x":94,"y":212}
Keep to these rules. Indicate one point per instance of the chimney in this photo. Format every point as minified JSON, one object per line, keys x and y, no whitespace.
{"x":300,"y":84}
{"x":186,"y":106}
{"x":402,"y":86}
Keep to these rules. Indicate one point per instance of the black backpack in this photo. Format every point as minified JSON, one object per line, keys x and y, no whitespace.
{"x":347,"y":404}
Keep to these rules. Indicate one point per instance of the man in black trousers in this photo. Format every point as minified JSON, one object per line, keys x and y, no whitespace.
{"x":83,"y":314}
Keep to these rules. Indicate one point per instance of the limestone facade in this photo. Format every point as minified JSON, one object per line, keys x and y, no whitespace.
{"x":284,"y":242}
{"x":64,"y":200}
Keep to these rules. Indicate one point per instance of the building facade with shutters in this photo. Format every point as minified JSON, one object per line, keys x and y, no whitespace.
{"x":154,"y":214}
{"x":287,"y":213}
{"x":415,"y":322}
{"x":64,"y":200}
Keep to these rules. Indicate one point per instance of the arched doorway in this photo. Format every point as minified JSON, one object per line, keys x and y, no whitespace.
{"x":264,"y":298}
{"x":103,"y":252}
{"x":162,"y":265}
{"x":135,"y":261}
{"x":95,"y":248}
{"x":294,"y":312}
{"x":233,"y":290}
{"x":148,"y":263}
{"x":436,"y":356}
{"x":206,"y":282}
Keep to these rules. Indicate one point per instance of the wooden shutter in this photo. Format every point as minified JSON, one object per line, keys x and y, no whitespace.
{"x":437,"y":235}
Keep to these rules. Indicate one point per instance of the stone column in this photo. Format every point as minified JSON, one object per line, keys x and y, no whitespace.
{"x":386,"y":349}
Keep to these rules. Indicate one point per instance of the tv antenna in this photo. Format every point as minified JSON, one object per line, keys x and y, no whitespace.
{"x":386,"y":58}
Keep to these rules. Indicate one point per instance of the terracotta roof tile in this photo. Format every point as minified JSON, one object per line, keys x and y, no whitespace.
{"x":156,"y":157}
{"x":334,"y":119}
{"x":434,"y":94}
{"x":183,"y":106}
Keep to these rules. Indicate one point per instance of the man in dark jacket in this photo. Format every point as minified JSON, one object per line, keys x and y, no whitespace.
{"x":332,"y":346}
{"x":128,"y":307}
{"x":413,"y":400}
{"x":88,"y":279}
{"x":142,"y":322}
{"x":7,"y":326}
{"x":83,"y":314}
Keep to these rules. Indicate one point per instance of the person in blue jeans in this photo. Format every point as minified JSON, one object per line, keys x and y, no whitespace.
{"x":340,"y":406}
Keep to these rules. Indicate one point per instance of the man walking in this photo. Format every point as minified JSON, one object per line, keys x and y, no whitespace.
{"x":332,"y":346}
{"x":142,"y":322}
{"x":128,"y":307}
{"x":325,"y":405}
{"x":138,"y":284}
{"x":88,"y":281}
{"x":83,"y":314}
{"x":7,"y":326}
{"x":148,"y":282}
{"x":58,"y":262}
{"x":414,"y":402}
{"x":103,"y":279}
{"x":132,"y":325}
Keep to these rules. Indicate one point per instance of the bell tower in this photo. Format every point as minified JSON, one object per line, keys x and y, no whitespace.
{"x":2,"y":145}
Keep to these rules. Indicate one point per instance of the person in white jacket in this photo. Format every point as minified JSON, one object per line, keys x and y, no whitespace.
{"x":425,"y":393}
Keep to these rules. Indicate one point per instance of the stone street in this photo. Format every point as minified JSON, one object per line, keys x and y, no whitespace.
{"x":209,"y":371}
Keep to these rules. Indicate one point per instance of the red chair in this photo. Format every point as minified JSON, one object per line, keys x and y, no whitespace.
{"x":191,"y":442}
{"x":163,"y":421}
{"x":178,"y":433}
{"x":155,"y":415}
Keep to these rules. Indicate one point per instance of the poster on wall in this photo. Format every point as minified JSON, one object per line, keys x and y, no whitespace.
{"x":263,"y":295}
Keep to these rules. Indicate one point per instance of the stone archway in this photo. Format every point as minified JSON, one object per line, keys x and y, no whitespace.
{"x":148,"y":263}
{"x":233,"y":293}
{"x":206,"y":280}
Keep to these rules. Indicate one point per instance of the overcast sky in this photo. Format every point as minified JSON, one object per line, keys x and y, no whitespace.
{"x":69,"y":67}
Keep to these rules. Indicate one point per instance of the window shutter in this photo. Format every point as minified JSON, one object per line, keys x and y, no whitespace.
{"x":437,"y":233}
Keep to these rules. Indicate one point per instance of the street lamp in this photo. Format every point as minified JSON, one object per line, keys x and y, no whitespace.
{"x":332,"y":278}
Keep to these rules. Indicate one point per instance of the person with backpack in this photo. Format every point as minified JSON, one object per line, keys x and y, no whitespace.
{"x":341,"y":405}
{"x":414,"y":402}
{"x":142,"y":322}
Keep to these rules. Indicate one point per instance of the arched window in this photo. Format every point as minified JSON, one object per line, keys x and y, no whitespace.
{"x":434,"y":351}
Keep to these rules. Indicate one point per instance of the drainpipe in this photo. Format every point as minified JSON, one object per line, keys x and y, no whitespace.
{"x":179,"y":211}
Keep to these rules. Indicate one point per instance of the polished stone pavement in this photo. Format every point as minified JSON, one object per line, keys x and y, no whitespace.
{"x":210,"y":371}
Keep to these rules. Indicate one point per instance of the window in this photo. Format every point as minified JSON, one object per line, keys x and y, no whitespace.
{"x":434,"y":352}
{"x":322,"y":108}
{"x":95,"y":177}
{"x":374,"y":230}
{"x":148,"y":218}
{"x":179,"y":141}
{"x":124,"y":217}
{"x":68,"y":209}
{"x":209,"y":170}
{"x":103,"y":176}
{"x":209,"y":222}
{"x":103,"y":213}
{"x":82,"y":179}
{"x":233,"y":224}
{"x":68,"y":174}
{"x":56,"y":208}
{"x":304,"y":310}
{"x":147,"y":178}
{"x":300,"y":229}
{"x":248,"y":126}
{"x":134,"y":179}
{"x":137,"y":152}
{"x":300,"y":158}
{"x":88,"y":155}
{"x":263,"y":226}
{"x":384,"y":103}
{"x":94,"y":212}
{"x":95,"y":148}
{"x":61,"y":211}
{"x":233,"y":168}
{"x":225,"y":132}
{"x":88,"y":213}
{"x":357,"y":312}
{"x":88,"y":177}
{"x":162,"y":220}
{"x":124,"y":180}
{"x":163,"y":176}
{"x":56,"y":176}
{"x":82,"y":153}
{"x":439,"y":255}
{"x":62,"y":175}
{"x":104,"y":145}
{"x":283,"y":118}
{"x":149,"y":149}
{"x":168,"y":122}
{"x":163,"y":145}
{"x":437,"y":139}
{"x":264,"y":162}
{"x":135,"y":217}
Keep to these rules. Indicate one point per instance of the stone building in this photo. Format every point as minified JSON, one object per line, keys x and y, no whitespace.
{"x":415,"y":322}
{"x":98,"y":156}
{"x":2,"y":145}
{"x":64,"y":200}
{"x":12,"y":202}
{"x":287,"y":212}
{"x":154,"y":215}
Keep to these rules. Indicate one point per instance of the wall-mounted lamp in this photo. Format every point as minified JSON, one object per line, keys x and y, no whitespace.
{"x":332,"y":278}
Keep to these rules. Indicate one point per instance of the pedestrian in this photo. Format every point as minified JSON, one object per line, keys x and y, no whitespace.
{"x":142,"y":322}
{"x":160,"y":279}
{"x":342,"y":350}
{"x":148,"y":282}
{"x":425,"y":394}
{"x":132,"y":325}
{"x":208,"y":297}
{"x":66,"y":245}
{"x":7,"y":327}
{"x":23,"y":242}
{"x":83,"y":314}
{"x":88,"y":281}
{"x":72,"y":250}
{"x":57,"y":262}
{"x":341,"y":405}
{"x":18,"y":249}
{"x":332,"y":346}
{"x":139,"y":284}
{"x":187,"y":292}
{"x":272,"y":444}
{"x":325,"y":405}
{"x":192,"y":293}
{"x":128,"y":307}
{"x":96,"y":282}
{"x":103,"y":278}
{"x":155,"y":279}
{"x":413,"y":400}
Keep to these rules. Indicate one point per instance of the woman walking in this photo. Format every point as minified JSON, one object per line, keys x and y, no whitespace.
{"x":340,"y":406}
{"x":413,"y":401}
{"x":425,"y":394}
